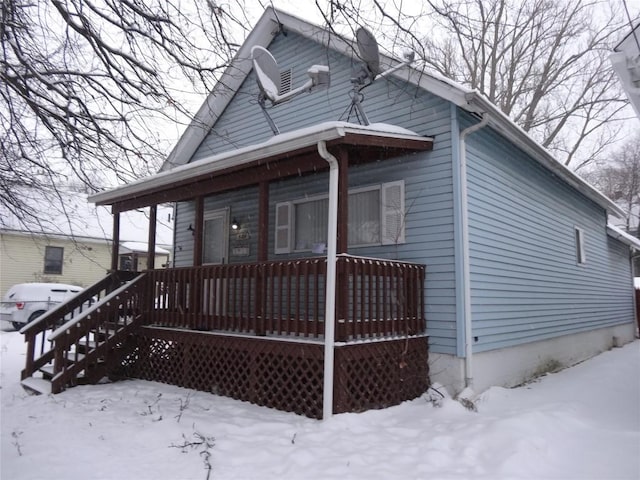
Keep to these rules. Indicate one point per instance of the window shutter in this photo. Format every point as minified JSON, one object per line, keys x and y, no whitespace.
{"x":393,"y":213}
{"x":283,"y":228}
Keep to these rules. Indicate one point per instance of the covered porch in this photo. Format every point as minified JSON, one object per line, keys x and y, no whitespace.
{"x":272,"y":330}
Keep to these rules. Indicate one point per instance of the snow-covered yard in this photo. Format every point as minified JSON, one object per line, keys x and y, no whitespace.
{"x":583,"y":422}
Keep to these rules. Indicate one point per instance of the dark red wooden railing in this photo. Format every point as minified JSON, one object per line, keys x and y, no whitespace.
{"x":86,"y":335}
{"x":37,"y":333}
{"x":86,"y":344}
{"x":375,"y":298}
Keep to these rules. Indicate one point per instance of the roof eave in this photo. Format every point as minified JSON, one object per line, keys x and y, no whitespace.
{"x":233,"y":158}
{"x":519,"y":137}
{"x":624,"y":237}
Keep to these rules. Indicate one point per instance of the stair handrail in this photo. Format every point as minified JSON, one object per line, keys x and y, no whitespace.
{"x":51,"y":318}
{"x":74,"y":330}
{"x":79,"y":299}
{"x":93,"y":308}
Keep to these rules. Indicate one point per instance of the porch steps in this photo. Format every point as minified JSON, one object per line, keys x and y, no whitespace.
{"x":37,"y":386}
{"x":89,"y":347}
{"x":42,"y":385}
{"x":94,"y":372}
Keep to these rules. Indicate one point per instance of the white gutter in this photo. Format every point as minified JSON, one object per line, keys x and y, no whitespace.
{"x":504,"y":125}
{"x":624,"y":237}
{"x":466,"y":273}
{"x":330,"y":291}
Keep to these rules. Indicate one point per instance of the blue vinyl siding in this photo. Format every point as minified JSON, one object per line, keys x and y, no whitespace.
{"x":428,"y":183}
{"x":242,"y":123}
{"x":183,"y":237}
{"x":242,"y":204}
{"x":526,"y":282}
{"x":429,"y":229}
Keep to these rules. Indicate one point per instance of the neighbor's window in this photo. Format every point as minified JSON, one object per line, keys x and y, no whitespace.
{"x":375,"y":217}
{"x":53,"y":257}
{"x":581,"y":256}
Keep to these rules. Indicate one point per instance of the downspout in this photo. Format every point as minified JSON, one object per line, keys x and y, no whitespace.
{"x":330,"y":291}
{"x":466,"y":269}
{"x":635,"y":254}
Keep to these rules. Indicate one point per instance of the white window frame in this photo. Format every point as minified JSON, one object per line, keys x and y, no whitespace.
{"x":287,"y":209}
{"x":581,"y":254}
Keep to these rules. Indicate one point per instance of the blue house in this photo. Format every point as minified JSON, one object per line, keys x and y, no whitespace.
{"x":369,"y":247}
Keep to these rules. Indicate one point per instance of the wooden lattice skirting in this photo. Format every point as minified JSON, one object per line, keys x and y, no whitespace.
{"x":285,"y":375}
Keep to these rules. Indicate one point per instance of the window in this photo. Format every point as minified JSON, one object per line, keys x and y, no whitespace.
{"x":53,"y":257}
{"x":310,"y":223}
{"x":376,"y":216}
{"x":581,"y":256}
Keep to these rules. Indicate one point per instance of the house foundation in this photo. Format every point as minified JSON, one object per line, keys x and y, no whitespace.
{"x":508,"y":367}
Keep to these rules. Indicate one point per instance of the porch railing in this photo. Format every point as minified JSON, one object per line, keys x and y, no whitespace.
{"x":86,"y":343}
{"x":375,"y":298}
{"x":37,"y":333}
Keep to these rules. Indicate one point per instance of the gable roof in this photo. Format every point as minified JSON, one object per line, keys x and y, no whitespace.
{"x":272,"y":21}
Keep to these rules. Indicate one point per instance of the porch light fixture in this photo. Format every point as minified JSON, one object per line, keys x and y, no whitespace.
{"x":234,"y":224}
{"x":191,"y":229}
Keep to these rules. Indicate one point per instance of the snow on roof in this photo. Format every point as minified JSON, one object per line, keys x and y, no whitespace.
{"x":623,"y":236}
{"x":470,"y":100}
{"x":140,"y":247}
{"x":69,"y":214}
{"x":282,"y":143}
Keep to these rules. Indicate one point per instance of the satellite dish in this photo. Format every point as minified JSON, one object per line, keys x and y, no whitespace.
{"x":268,"y":76}
{"x":267,"y":71}
{"x":368,"y":48}
{"x":370,"y":71}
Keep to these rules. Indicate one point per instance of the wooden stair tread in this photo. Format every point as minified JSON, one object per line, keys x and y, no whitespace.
{"x":36,"y":385}
{"x":71,"y":356}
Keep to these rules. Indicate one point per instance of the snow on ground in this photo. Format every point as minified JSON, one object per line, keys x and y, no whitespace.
{"x":581,"y":423}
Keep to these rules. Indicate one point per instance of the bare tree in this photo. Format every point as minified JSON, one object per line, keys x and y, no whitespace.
{"x":544,"y":63}
{"x":86,"y":87}
{"x":619,"y":178}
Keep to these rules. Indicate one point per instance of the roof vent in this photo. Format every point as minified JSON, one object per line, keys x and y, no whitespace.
{"x":285,"y":81}
{"x":270,"y":82}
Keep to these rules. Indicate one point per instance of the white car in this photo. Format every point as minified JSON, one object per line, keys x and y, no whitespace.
{"x":25,"y":302}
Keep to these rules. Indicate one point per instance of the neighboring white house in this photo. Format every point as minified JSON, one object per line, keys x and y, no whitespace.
{"x":75,"y":246}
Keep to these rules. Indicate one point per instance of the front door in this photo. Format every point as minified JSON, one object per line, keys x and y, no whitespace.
{"x":214,"y":252}
{"x":216,"y":234}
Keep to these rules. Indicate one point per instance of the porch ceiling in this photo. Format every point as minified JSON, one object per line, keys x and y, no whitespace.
{"x":282,"y":156}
